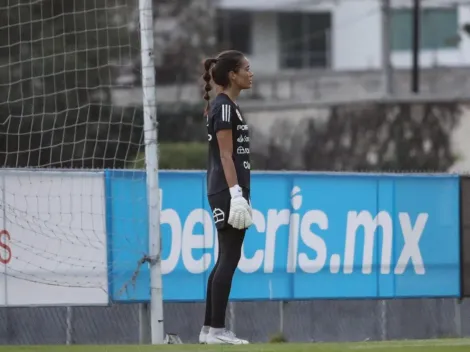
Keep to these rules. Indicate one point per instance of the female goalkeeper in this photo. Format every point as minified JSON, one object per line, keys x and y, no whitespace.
{"x":228,"y":184}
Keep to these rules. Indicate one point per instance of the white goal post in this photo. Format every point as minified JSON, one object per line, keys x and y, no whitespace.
{"x":151,"y":161}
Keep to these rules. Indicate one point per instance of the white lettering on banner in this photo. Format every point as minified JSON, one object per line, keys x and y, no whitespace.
{"x":313,"y":241}
{"x":171,"y":218}
{"x":184,"y":240}
{"x":197,"y":241}
{"x":250,"y":265}
{"x":300,"y":228}
{"x":310,"y":239}
{"x":364,"y":219}
{"x":411,"y":249}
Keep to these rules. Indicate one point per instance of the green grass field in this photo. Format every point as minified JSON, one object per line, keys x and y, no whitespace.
{"x":447,"y":345}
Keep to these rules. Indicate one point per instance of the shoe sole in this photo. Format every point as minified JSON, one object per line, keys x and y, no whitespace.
{"x":225,"y":343}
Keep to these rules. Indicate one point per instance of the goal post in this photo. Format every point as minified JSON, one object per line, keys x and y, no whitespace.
{"x":151,"y":167}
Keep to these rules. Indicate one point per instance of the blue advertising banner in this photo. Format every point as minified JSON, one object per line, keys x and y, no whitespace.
{"x":315,"y":236}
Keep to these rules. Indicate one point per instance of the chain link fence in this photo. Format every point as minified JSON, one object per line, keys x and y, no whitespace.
{"x":303,"y":321}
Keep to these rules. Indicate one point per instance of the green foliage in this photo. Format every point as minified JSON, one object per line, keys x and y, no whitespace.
{"x":181,"y":47}
{"x":177,"y":156}
{"x":278,"y":338}
{"x":181,"y":122}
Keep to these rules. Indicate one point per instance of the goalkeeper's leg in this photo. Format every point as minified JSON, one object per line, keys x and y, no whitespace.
{"x":220,"y":280}
{"x":230,"y":245}
{"x":208,"y":313}
{"x":220,"y":204}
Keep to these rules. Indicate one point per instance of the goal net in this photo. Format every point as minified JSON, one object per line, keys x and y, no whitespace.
{"x":69,"y":74}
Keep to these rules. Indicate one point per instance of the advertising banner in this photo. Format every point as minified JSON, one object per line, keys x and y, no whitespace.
{"x":315,"y":236}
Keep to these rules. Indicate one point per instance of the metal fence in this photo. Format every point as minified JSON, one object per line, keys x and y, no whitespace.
{"x":308,"y":321}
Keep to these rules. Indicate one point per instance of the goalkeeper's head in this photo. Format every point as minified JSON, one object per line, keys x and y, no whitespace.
{"x":229,"y":69}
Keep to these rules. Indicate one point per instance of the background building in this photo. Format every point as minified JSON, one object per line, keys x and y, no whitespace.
{"x":341,"y":35}
{"x":333,"y":50}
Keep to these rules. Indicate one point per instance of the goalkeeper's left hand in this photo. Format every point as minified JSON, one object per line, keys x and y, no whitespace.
{"x":240,"y":216}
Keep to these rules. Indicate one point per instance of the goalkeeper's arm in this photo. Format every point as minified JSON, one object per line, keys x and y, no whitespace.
{"x":224,"y":139}
{"x":240,"y":210}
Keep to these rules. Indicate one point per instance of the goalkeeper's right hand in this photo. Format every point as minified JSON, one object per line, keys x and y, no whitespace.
{"x":240,"y":210}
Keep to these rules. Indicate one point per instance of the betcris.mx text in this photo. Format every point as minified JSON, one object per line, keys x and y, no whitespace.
{"x":299,"y":239}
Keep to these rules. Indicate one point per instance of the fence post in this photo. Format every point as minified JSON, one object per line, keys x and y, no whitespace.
{"x":69,"y":325}
{"x":383,"y":320}
{"x":232,"y":316}
{"x":144,"y":324}
{"x":282,"y":305}
{"x":458,"y":317}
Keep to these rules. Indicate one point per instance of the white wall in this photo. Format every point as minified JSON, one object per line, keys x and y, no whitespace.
{"x":265,"y":52}
{"x":357,"y":35}
{"x":56,"y":222}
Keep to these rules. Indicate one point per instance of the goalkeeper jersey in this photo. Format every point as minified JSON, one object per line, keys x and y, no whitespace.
{"x":225,"y":114}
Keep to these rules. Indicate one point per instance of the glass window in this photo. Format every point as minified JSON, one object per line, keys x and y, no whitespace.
{"x":234,"y":30}
{"x":438,"y":29}
{"x":304,"y":39}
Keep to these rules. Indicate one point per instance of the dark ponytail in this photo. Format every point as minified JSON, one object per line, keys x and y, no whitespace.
{"x":207,"y":78}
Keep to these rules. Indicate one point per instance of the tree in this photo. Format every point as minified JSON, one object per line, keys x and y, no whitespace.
{"x":374,"y":137}
{"x":184,"y":35}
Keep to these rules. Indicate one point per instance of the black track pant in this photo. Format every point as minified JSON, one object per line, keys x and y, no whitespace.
{"x":230,"y":249}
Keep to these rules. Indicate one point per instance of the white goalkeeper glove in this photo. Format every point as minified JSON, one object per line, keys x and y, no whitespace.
{"x":240,"y":211}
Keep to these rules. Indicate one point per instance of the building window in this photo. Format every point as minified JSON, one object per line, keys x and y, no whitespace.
{"x":438,"y":29}
{"x":304,"y":40}
{"x":234,"y":30}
